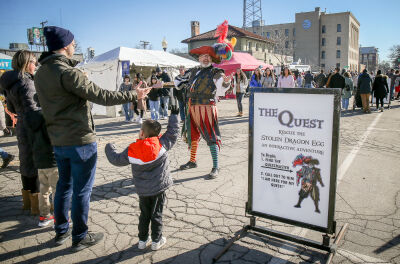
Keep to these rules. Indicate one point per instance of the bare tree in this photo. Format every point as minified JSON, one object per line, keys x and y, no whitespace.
{"x":283,"y":47}
{"x":78,"y":48}
{"x":179,"y":50}
{"x":384,"y":66}
{"x":395,"y":55}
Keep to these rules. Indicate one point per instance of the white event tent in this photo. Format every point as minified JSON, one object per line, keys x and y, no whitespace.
{"x":106,"y":69}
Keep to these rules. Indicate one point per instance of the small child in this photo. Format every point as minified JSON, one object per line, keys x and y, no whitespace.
{"x":149,"y":160}
{"x":44,"y":160}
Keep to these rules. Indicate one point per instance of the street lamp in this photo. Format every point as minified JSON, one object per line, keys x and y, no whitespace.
{"x":164,"y":44}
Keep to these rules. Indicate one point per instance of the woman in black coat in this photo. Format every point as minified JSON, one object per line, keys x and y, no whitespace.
{"x":380,"y":89}
{"x":19,"y":90}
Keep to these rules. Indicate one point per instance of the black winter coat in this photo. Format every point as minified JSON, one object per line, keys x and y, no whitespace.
{"x":337,"y":81}
{"x":19,"y":91}
{"x":380,"y":86}
{"x":364,"y":83}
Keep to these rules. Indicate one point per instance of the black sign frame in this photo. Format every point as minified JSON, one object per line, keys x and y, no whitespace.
{"x":336,"y":92}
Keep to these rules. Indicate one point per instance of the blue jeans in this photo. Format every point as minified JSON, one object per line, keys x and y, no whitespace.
{"x":308,"y":85}
{"x":391,"y":93}
{"x":182,"y":110}
{"x":127,"y":111}
{"x":154,"y":107}
{"x":3,"y":153}
{"x":76,"y":169}
{"x":345,"y":103}
{"x":164,"y":110}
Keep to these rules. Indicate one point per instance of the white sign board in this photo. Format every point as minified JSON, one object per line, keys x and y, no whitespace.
{"x":292,"y":152}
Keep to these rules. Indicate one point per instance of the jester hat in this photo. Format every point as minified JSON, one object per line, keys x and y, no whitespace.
{"x":222,"y":50}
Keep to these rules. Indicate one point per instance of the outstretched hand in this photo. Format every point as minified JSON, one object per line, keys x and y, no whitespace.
{"x":139,"y":84}
{"x":227,"y":78}
{"x":174,"y":109}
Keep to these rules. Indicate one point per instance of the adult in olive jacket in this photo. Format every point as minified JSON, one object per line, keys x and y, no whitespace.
{"x":64,"y":93}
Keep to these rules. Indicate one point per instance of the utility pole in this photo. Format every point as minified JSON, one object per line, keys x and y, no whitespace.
{"x":144,"y":43}
{"x":43,"y":23}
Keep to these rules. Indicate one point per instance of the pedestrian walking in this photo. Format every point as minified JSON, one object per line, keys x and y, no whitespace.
{"x":240,"y":83}
{"x":124,"y":87}
{"x":347,"y":91}
{"x":380,"y":89}
{"x":64,"y":93}
{"x":180,"y":82}
{"x":308,"y":80}
{"x":142,"y":92}
{"x":256,"y":78}
{"x":268,"y":79}
{"x":19,"y":90}
{"x":286,"y":79}
{"x":154,"y":97}
{"x":148,"y":157}
{"x":165,"y":93}
{"x":336,"y":80}
{"x":364,"y":84}
{"x":320,"y":79}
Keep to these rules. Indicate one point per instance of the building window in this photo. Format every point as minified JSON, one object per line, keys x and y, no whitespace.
{"x":338,"y":41}
{"x":294,"y":43}
{"x":339,"y":27}
{"x":322,"y":65}
{"x":276,"y":32}
{"x":286,"y":44}
{"x":323,"y":29}
{"x":286,"y":32}
{"x":323,"y":54}
{"x":338,"y":65}
{"x":249,"y":45}
{"x":323,"y":42}
{"x":294,"y":32}
{"x":268,"y":34}
{"x":338,"y":54}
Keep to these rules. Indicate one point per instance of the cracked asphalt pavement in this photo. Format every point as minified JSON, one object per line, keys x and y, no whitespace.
{"x":200,"y":215}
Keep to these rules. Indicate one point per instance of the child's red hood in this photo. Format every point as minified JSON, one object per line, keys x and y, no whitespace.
{"x":145,"y":150}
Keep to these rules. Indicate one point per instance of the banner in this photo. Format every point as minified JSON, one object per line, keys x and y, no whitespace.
{"x":37,"y":35}
{"x":293,"y":155}
{"x":5,"y":64}
{"x":125,"y":65}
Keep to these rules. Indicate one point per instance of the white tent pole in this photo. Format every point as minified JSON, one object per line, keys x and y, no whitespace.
{"x":116,"y":79}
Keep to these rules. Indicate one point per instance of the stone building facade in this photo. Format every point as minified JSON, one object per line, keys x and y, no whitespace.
{"x":317,"y":38}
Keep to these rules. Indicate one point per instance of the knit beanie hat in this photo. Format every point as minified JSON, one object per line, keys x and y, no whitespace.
{"x":57,"y":38}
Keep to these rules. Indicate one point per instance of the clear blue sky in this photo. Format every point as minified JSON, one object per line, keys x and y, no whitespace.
{"x":106,"y":24}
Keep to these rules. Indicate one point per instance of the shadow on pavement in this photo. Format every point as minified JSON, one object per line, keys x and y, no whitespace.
{"x":392,"y":243}
{"x":122,"y":187}
{"x":205,"y":253}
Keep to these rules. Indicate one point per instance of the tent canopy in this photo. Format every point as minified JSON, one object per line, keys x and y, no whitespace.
{"x":105,"y":69}
{"x":141,"y":57}
{"x":242,"y":60}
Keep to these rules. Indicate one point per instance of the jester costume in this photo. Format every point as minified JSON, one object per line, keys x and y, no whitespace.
{"x":309,"y":176}
{"x":203,"y":86}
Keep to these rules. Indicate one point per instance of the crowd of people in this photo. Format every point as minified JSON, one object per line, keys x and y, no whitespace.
{"x":57,"y":143}
{"x":361,"y":86}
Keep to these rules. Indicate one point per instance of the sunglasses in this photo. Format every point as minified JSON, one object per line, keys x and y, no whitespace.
{"x":34,"y":62}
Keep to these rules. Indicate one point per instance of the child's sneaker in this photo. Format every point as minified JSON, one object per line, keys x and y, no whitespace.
{"x":45,"y":221}
{"x":143,"y":244}
{"x":159,"y":244}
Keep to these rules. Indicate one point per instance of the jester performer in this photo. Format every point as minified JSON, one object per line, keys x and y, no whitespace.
{"x":203,"y":84}
{"x":309,"y":176}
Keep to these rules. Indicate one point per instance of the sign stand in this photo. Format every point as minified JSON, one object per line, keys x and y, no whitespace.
{"x":298,"y":128}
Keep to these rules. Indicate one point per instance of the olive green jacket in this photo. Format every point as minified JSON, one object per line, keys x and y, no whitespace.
{"x":64,"y":93}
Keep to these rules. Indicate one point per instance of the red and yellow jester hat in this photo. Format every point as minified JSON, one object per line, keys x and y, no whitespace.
{"x":222,"y":50}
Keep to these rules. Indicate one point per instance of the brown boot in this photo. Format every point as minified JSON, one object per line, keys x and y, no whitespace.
{"x":34,"y":203}
{"x":26,"y":201}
